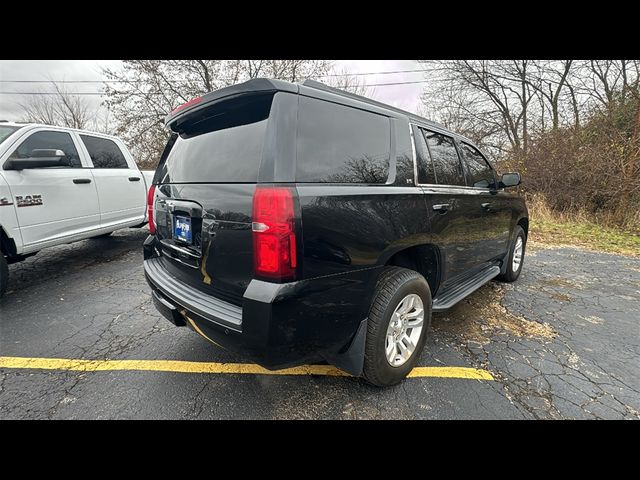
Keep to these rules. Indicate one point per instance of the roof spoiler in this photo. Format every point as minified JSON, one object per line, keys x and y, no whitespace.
{"x":256,"y":85}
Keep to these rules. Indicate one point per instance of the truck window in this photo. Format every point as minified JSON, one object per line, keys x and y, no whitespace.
{"x":341,"y":144}
{"x":104,"y":153}
{"x":49,"y":140}
{"x":5,"y":131}
{"x":423,"y":159}
{"x":445,"y":158}
{"x":480,"y":173}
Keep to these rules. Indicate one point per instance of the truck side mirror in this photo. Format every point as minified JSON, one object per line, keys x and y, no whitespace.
{"x":40,"y":158}
{"x":511,"y":179}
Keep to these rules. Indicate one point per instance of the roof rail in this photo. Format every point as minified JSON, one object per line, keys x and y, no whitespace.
{"x":321,"y":86}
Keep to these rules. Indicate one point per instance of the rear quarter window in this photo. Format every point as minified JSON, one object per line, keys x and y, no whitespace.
{"x":340,"y":144}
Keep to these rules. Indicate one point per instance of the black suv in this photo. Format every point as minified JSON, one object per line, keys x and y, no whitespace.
{"x":299,"y":223}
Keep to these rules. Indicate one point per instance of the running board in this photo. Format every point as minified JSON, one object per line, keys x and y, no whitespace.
{"x":449,"y":298}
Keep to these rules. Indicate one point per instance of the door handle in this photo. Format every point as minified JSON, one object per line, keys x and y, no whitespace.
{"x":486,"y":206}
{"x":441,"y":207}
{"x":134,"y":179}
{"x":81,"y":180}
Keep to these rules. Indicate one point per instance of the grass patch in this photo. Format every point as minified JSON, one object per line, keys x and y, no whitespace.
{"x":584,"y":234}
{"x":578,"y":228}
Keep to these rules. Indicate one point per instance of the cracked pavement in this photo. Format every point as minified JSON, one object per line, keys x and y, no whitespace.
{"x":561,"y":342}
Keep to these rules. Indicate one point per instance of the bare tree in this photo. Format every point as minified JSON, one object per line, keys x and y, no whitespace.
{"x":572,"y":125}
{"x":60,"y":108}
{"x":494,"y":93}
{"x":505,"y":102}
{"x":141,"y":94}
{"x":349,"y":83}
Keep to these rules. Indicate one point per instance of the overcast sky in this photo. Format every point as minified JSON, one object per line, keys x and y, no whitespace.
{"x":402,"y":96}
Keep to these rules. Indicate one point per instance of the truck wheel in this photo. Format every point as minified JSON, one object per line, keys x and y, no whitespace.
{"x":515,"y":259}
{"x":4,"y":274}
{"x":397,"y":326}
{"x":103,"y":235}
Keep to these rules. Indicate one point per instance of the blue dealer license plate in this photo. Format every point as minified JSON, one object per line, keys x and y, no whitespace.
{"x":182,"y":229}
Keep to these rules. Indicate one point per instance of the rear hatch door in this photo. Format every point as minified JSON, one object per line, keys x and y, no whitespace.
{"x":205,"y":194}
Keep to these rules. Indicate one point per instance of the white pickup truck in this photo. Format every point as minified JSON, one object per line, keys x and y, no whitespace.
{"x":59,"y":185}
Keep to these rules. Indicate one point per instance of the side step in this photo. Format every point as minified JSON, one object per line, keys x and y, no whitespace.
{"x":450,"y":297}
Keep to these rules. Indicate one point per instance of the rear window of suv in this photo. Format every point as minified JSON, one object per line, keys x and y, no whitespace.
{"x":340,"y":144}
{"x":222,"y":144}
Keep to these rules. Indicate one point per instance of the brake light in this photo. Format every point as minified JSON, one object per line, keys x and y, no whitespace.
{"x":274,"y":237}
{"x":150,"y":197}
{"x":185,"y":105}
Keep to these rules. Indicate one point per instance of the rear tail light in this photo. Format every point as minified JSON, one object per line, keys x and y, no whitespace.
{"x":274,"y":237}
{"x":150,"y":197}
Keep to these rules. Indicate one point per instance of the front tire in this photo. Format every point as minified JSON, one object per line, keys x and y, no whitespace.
{"x":4,"y":274}
{"x":515,"y":260}
{"x":397,"y":326}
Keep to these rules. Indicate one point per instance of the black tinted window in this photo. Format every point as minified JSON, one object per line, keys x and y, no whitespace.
{"x":221,"y":144}
{"x":49,"y":141}
{"x":104,"y":153}
{"x":445,"y":159}
{"x":423,"y":159}
{"x":341,"y":144}
{"x":480,"y":173}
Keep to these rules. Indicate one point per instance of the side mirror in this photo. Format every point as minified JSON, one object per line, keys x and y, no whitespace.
{"x":40,"y":158}
{"x":510,"y":180}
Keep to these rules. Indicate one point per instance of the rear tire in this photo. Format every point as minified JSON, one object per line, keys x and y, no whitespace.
{"x":4,"y":274}
{"x":518,"y":247}
{"x":389,"y":319}
{"x":103,"y":235}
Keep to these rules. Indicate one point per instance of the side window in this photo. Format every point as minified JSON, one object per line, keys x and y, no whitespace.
{"x":50,"y":141}
{"x":480,"y":173}
{"x":104,"y":153}
{"x":446,"y":162}
{"x":423,"y":159}
{"x":341,"y":144}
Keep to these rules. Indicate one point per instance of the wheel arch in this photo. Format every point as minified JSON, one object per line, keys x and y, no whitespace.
{"x":7,"y":244}
{"x":524,"y":223}
{"x":424,"y":258}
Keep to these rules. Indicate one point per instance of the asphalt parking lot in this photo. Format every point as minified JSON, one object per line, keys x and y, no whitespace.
{"x":562,"y":342}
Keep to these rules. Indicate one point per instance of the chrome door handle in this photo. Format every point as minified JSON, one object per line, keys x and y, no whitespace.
{"x":441,"y":207}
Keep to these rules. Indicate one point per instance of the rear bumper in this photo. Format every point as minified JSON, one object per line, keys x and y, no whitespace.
{"x":278,"y":325}
{"x":203,"y":305}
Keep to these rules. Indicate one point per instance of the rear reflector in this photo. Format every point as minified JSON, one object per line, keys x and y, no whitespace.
{"x":150,"y":197}
{"x":274,"y":238}
{"x":185,"y":105}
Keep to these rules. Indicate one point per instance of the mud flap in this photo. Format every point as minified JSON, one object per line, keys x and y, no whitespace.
{"x":352,"y":360}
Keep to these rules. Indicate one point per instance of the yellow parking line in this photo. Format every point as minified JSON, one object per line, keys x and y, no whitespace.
{"x":213,"y":367}
{"x":451,"y":372}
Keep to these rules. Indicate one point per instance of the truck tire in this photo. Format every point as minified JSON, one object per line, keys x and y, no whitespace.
{"x":4,"y":274}
{"x":515,"y":260}
{"x":397,"y":326}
